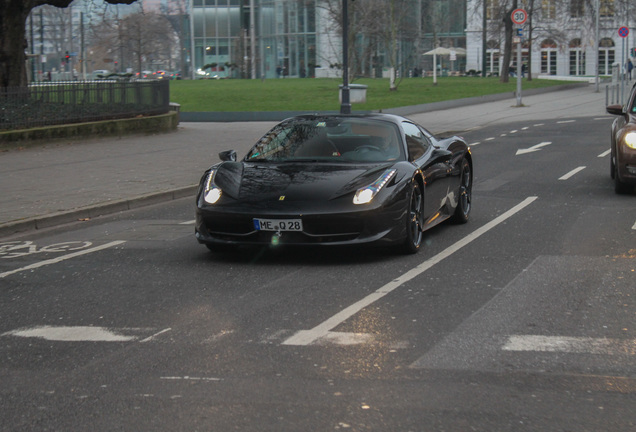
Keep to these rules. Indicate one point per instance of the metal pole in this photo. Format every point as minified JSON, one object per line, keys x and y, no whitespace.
{"x":484,"y":35}
{"x":252,"y":39}
{"x":33,"y":57}
{"x":596,"y":47}
{"x":622,"y":71}
{"x":345,"y":106}
{"x":519,"y":69}
{"x":83,"y":47}
{"x":192,"y":65}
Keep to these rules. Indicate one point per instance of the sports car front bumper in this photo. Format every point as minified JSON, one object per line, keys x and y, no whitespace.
{"x":213,"y":227}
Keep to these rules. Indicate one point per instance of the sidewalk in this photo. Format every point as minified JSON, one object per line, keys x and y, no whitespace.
{"x":69,"y":181}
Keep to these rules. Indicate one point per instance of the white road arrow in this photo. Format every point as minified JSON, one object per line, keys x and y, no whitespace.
{"x":534,"y":148}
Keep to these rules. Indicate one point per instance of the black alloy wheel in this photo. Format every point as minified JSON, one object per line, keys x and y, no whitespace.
{"x":414,"y":220}
{"x":464,"y":201}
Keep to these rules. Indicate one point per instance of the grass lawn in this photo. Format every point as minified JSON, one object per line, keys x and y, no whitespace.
{"x":322,"y":94}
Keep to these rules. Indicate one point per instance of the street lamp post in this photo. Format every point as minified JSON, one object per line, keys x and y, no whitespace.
{"x":345,"y":105}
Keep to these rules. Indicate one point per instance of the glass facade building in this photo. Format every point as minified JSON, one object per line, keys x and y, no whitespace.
{"x":284,"y":40}
{"x":302,"y":38}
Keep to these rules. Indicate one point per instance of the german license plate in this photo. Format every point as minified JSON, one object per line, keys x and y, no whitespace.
{"x":278,"y":224}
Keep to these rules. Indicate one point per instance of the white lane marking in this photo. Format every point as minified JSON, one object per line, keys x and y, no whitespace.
{"x":566,"y":121}
{"x":605,"y":153}
{"x":538,"y":124}
{"x":154,"y":336}
{"x":571,"y":173}
{"x":564,"y":344}
{"x":62,"y":258}
{"x":72,"y":334}
{"x":534,"y":148}
{"x":514,"y":131}
{"x":489,"y":139}
{"x":634,"y":227}
{"x":307,"y":337}
{"x":190,"y":222}
{"x":189,"y":378}
{"x":474,"y":144}
{"x":525,"y":128}
{"x":85,"y":333}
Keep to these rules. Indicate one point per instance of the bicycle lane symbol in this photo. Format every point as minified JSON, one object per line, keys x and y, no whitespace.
{"x":15,"y":249}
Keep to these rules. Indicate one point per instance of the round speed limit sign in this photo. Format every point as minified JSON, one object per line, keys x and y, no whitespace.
{"x":519,"y":16}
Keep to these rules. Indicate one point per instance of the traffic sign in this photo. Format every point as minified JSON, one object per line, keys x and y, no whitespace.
{"x":623,"y":32}
{"x":519,"y":16}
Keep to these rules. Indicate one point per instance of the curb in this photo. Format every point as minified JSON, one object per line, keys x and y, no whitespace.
{"x":93,"y":211}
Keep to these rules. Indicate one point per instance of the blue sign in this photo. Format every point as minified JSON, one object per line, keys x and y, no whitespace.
{"x":623,"y":32}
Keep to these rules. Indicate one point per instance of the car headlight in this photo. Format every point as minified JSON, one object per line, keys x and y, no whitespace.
{"x":211,"y":193}
{"x":630,"y":140}
{"x":365,"y":195}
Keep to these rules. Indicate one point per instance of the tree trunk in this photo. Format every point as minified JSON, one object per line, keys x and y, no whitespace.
{"x":505,"y":68}
{"x":393,"y":43}
{"x":13,"y":15}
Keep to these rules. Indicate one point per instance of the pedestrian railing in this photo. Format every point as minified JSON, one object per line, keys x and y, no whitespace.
{"x":56,"y":103}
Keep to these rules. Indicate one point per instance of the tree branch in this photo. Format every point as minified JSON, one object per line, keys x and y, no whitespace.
{"x":65,"y":3}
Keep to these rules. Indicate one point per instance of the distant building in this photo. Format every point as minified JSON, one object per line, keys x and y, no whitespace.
{"x":300,"y":38}
{"x":563,"y":32}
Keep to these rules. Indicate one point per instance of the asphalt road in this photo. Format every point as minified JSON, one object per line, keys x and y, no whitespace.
{"x":521,"y":320}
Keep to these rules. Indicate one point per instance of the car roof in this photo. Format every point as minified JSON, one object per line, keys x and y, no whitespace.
{"x":372,"y":116}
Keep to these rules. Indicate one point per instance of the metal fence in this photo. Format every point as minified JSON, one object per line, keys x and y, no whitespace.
{"x":56,"y":103}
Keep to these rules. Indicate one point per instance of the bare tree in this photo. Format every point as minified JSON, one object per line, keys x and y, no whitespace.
{"x":375,"y":26}
{"x":175,"y":12}
{"x":13,"y":15}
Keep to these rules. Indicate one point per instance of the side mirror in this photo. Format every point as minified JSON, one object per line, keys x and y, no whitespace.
{"x":615,"y":109}
{"x":228,"y":156}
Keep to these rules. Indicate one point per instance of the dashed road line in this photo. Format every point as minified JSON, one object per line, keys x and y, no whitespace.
{"x":572,"y":173}
{"x":605,"y":153}
{"x":568,"y":344}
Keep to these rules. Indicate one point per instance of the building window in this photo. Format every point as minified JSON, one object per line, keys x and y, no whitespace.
{"x":548,"y":57}
{"x":492,"y":58}
{"x":606,"y":56}
{"x":606,"y":8}
{"x":577,"y":8}
{"x":548,"y":9}
{"x":577,"y":58}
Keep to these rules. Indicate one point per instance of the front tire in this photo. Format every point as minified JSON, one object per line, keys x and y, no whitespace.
{"x":464,"y":201}
{"x":620,"y":187}
{"x":414,"y":220}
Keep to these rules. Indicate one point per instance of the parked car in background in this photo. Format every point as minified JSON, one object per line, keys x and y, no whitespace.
{"x":146,"y":74}
{"x":100,"y":74}
{"x":623,"y":145}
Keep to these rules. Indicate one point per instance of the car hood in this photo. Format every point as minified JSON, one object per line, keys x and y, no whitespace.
{"x":293,"y":182}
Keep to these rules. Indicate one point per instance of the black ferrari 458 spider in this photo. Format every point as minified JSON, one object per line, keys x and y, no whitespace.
{"x":336,"y":180}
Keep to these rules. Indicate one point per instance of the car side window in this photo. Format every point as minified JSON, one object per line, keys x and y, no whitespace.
{"x":416,"y":141}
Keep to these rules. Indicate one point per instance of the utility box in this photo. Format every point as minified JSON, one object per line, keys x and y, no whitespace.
{"x":357,"y":93}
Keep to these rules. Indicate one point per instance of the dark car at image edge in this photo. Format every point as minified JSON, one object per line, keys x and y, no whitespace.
{"x":623,"y":145}
{"x":336,"y":180}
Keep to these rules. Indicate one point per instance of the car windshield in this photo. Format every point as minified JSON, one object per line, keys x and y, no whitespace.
{"x":345,"y":139}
